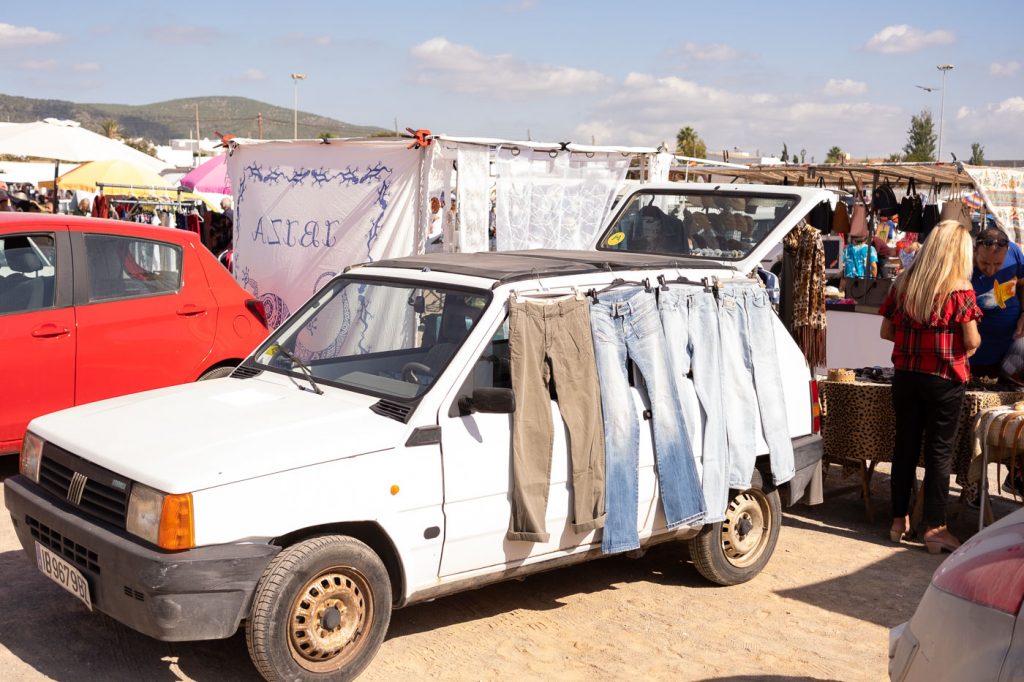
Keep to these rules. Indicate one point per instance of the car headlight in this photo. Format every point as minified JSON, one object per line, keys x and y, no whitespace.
{"x":165,"y":520}
{"x":31,"y":455}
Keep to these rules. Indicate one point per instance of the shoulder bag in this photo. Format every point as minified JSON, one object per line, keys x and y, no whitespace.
{"x":955,"y":209}
{"x":911,"y":209}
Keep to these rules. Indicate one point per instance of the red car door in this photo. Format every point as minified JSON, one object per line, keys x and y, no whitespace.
{"x":146,"y":317}
{"x":37,"y":327}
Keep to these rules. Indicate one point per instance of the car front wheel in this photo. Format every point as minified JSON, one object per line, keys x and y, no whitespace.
{"x":735,"y":550}
{"x":320,"y":612}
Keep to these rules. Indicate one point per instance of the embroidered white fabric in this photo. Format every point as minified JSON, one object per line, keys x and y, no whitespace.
{"x":548,"y":200}
{"x":474,"y":194}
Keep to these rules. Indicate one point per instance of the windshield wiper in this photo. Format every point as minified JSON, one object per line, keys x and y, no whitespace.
{"x":305,"y":370}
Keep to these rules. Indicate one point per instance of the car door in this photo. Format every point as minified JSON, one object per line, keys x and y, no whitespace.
{"x":146,"y":315}
{"x":476,"y":453}
{"x":37,"y":327}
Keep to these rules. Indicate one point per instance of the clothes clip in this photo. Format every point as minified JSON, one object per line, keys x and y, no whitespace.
{"x":662,"y":282}
{"x":592,"y":293}
{"x":577,"y":293}
{"x":647,"y":284}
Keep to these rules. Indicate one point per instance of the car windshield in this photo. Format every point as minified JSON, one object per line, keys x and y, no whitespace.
{"x":696,"y":224}
{"x":387,"y":339}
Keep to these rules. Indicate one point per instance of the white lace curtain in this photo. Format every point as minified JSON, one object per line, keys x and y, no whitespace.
{"x":554,"y":200}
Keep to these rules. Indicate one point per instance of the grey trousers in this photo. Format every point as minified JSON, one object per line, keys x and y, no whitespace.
{"x":553,"y":340}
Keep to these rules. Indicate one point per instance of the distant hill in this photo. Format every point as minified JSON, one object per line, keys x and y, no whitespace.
{"x":176,"y":118}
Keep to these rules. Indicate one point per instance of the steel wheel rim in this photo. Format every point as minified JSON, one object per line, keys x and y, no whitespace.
{"x":314,"y":644}
{"x":746,"y":528}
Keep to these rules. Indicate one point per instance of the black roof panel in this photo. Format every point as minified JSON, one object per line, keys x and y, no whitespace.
{"x":509,"y":266}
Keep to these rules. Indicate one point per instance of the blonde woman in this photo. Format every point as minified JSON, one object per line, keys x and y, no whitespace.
{"x":931,"y":316}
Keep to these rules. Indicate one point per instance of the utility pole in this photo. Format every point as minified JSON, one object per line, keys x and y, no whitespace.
{"x":942,"y":105}
{"x":259,"y":124}
{"x":196,"y":155}
{"x":296,"y":77}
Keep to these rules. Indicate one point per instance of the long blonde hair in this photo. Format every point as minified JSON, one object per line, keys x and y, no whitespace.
{"x":939,"y":268}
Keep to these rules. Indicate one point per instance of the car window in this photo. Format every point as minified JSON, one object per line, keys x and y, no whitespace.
{"x":697,"y":224}
{"x":127,"y":267}
{"x":27,"y":272}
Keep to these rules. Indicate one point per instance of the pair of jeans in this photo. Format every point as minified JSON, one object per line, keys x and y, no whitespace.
{"x":752,"y":379}
{"x":626,"y":325}
{"x":552,"y":340}
{"x":927,"y":409}
{"x":690,"y":319}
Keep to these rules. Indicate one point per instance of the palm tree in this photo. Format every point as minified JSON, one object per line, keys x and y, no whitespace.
{"x":688,"y":143}
{"x":111,"y":128}
{"x":835,"y":155}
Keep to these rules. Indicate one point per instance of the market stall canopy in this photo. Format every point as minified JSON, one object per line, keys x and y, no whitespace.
{"x":840,"y":174}
{"x":68,"y":141}
{"x":127,"y":178}
{"x":210,"y":176}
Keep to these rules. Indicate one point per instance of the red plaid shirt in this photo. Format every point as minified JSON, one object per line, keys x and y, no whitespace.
{"x":936,"y":348}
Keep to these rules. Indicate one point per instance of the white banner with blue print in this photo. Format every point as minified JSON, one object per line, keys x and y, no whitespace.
{"x":305,"y":210}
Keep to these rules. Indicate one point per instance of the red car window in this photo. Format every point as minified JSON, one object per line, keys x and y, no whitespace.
{"x":125,"y":267}
{"x":27,"y":272}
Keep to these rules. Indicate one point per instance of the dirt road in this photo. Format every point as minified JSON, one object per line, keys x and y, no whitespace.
{"x":821,"y":610}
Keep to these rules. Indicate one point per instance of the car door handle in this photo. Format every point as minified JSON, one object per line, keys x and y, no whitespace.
{"x":190,"y":310}
{"x":49,"y":331}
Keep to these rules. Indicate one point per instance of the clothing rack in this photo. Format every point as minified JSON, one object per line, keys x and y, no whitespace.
{"x":178,"y":191}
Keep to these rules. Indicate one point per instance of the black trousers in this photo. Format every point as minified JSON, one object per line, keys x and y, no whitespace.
{"x":927,"y":411}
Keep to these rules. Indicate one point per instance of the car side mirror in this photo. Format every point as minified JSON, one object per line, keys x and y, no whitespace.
{"x":488,"y":400}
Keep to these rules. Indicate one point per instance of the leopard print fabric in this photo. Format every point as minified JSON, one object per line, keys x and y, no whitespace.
{"x":858,"y":423}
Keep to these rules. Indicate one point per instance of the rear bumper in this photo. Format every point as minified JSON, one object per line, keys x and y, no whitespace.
{"x":197,"y":594}
{"x":806,"y":485}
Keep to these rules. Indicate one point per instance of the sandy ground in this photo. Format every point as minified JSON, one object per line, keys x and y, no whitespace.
{"x":821,"y":610}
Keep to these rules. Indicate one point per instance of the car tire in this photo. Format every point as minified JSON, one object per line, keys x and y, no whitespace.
{"x":216,"y":373}
{"x":337,"y":585}
{"x":735,"y":550}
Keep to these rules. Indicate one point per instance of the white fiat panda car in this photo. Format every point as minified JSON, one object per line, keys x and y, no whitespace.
{"x":359,"y":460}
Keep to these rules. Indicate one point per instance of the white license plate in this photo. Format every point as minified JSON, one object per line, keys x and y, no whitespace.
{"x":64,"y":574}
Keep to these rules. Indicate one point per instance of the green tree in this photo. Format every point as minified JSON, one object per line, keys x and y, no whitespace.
{"x":785,"y":154}
{"x":110,"y":128}
{"x":688,"y":143}
{"x":920,"y":144}
{"x":895,"y":157}
{"x":141,"y":144}
{"x":977,"y":154}
{"x":835,"y":155}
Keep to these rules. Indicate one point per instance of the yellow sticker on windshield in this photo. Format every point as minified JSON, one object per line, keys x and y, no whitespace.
{"x":616,"y":238}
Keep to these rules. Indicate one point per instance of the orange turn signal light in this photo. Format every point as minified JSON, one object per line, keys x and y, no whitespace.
{"x":177,"y":523}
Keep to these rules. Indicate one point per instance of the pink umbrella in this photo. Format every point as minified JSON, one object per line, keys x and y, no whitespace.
{"x":210,"y":176}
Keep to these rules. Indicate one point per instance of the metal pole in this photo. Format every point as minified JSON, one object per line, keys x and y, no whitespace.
{"x":295,"y":109}
{"x":942,"y":105}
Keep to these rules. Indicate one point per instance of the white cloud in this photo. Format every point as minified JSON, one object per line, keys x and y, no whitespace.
{"x":460,"y":68}
{"x":21,"y":36}
{"x":86,"y":67}
{"x":841,"y":88}
{"x":39,"y":64}
{"x":1006,"y":70}
{"x":903,"y":38}
{"x":254,"y":75}
{"x":646,"y":110}
{"x":711,"y":52}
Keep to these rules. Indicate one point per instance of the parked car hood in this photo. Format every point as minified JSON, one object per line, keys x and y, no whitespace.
{"x":216,"y":432}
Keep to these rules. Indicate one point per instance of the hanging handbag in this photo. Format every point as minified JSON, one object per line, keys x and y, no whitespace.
{"x":883,"y":200}
{"x":955,"y":209}
{"x":867,"y":290}
{"x":911,"y":209}
{"x":841,"y":218}
{"x":821,"y":215}
{"x":930,"y":216}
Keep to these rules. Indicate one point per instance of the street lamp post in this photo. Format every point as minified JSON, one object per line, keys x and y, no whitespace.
{"x":296,"y":77}
{"x":942,"y":105}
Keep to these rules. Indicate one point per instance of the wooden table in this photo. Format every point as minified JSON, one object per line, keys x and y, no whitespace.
{"x":859,"y":429}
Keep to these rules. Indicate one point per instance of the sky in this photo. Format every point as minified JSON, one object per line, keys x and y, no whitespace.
{"x":747,"y":75}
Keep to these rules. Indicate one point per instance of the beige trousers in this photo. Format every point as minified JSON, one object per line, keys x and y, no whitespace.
{"x":552,"y":341}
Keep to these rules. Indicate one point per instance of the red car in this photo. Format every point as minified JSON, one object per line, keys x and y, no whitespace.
{"x":92,"y":309}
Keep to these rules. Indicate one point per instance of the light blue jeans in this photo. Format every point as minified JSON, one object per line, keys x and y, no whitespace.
{"x":690,"y":319}
{"x":625,"y":324}
{"x":752,"y":377}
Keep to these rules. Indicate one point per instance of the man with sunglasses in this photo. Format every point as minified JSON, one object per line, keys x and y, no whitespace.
{"x":998,"y":281}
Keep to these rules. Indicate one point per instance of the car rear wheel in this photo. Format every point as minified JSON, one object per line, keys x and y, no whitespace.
{"x":735,"y":550}
{"x":321,"y":611}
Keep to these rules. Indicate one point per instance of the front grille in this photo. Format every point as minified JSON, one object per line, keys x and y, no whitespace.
{"x":81,"y":556}
{"x":104,"y":496}
{"x":133,"y":594}
{"x":396,"y":411}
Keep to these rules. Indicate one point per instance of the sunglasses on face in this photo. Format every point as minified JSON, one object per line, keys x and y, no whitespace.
{"x":993,"y":242}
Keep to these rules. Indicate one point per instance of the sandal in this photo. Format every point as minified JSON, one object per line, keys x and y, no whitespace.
{"x":939,"y":539}
{"x":899,"y":529}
